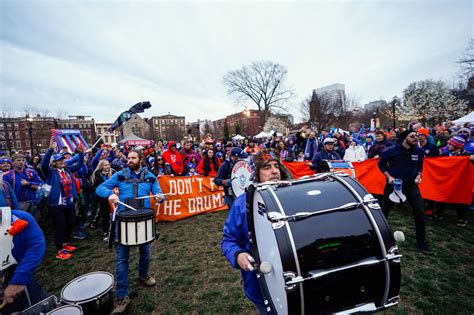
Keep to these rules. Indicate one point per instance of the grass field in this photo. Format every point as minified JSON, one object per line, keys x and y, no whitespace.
{"x":193,"y":276}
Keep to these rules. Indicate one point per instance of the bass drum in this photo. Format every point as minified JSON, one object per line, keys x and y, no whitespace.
{"x":325,"y":245}
{"x":241,"y":176}
{"x":92,"y":292}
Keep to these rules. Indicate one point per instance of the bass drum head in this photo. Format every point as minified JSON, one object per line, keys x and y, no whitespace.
{"x":267,"y":250}
{"x":87,"y":287}
{"x":241,"y":177}
{"x":67,"y":310}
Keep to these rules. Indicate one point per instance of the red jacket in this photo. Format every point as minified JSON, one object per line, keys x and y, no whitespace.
{"x":174,"y":159}
{"x":212,"y":172}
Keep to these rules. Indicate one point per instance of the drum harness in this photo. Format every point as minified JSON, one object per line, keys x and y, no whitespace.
{"x":131,"y":203}
{"x":134,"y":202}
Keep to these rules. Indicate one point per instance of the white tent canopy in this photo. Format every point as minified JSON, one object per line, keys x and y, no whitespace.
{"x":469,"y":118}
{"x":238,"y":137}
{"x":262,"y":134}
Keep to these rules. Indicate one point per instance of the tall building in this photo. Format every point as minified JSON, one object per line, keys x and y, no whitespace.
{"x":169,"y":127}
{"x":374,"y":105}
{"x":335,"y":92}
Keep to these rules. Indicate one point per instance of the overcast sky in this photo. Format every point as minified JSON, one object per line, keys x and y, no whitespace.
{"x":100,"y":57}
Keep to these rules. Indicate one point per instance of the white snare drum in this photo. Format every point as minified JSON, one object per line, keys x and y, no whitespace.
{"x":66,"y":310}
{"x":241,"y":177}
{"x":92,"y":292}
{"x":136,"y":227}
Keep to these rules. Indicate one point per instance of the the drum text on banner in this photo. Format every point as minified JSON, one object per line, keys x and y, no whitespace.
{"x":187,"y":196}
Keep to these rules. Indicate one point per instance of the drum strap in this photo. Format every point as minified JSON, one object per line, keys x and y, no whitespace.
{"x":135,"y":181}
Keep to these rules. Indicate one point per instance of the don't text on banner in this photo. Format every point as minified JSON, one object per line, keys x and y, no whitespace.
{"x":187,"y":196}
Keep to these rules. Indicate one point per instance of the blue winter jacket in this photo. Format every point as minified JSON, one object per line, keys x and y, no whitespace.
{"x":236,"y":239}
{"x":5,"y":188}
{"x":28,"y":248}
{"x":52,"y":178}
{"x":12,"y":177}
{"x":149,"y":185}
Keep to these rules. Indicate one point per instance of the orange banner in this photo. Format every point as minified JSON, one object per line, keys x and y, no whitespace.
{"x":188,"y":196}
{"x":444,"y":179}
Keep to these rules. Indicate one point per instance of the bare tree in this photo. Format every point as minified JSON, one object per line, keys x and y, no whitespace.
{"x":466,"y":62}
{"x":6,"y":135}
{"x":318,"y":111}
{"x":174,"y":133}
{"x":261,"y":82}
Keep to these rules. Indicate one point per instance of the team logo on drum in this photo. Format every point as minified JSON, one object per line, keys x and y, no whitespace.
{"x":261,"y":208}
{"x":242,"y":180}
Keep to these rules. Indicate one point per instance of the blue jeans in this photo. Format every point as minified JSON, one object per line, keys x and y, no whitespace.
{"x":229,"y":200}
{"x":121,"y":266}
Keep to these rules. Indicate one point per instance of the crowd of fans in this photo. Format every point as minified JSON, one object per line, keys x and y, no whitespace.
{"x":72,"y":204}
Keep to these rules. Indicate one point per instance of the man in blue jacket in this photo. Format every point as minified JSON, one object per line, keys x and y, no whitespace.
{"x":326,"y":154}
{"x":21,"y":252}
{"x":24,"y":182}
{"x":405,"y":161}
{"x":132,"y":182}
{"x":224,"y":173}
{"x":235,"y":243}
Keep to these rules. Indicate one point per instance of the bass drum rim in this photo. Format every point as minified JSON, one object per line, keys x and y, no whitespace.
{"x":283,"y":242}
{"x":69,"y":302}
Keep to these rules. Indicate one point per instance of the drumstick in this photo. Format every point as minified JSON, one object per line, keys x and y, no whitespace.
{"x":152,"y":196}
{"x":125,"y":205}
{"x":3,"y":304}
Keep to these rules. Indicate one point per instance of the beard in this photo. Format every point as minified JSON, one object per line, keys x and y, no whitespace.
{"x":133,"y":166}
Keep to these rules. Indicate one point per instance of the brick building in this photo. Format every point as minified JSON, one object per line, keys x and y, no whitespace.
{"x":25,"y":134}
{"x":169,"y":127}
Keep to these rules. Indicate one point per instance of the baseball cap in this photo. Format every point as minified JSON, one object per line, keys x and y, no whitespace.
{"x":328,"y":140}
{"x":236,"y":152}
{"x":57,"y":157}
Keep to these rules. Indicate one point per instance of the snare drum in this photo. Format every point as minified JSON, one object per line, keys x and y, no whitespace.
{"x":92,"y":292}
{"x":339,"y":166}
{"x":325,"y":245}
{"x":136,"y":227}
{"x":66,"y":310}
{"x":241,"y":177}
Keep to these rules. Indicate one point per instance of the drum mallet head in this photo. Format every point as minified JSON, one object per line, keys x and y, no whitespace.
{"x":266,"y":267}
{"x":399,"y":236}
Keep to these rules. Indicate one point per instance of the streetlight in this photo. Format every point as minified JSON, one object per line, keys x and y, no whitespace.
{"x":394,"y":102}
{"x":30,"y":130}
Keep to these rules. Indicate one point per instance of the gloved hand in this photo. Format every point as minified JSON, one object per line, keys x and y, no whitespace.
{"x":228,"y":182}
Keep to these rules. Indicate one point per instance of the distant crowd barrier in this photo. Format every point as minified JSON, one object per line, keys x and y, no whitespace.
{"x":444,"y":179}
